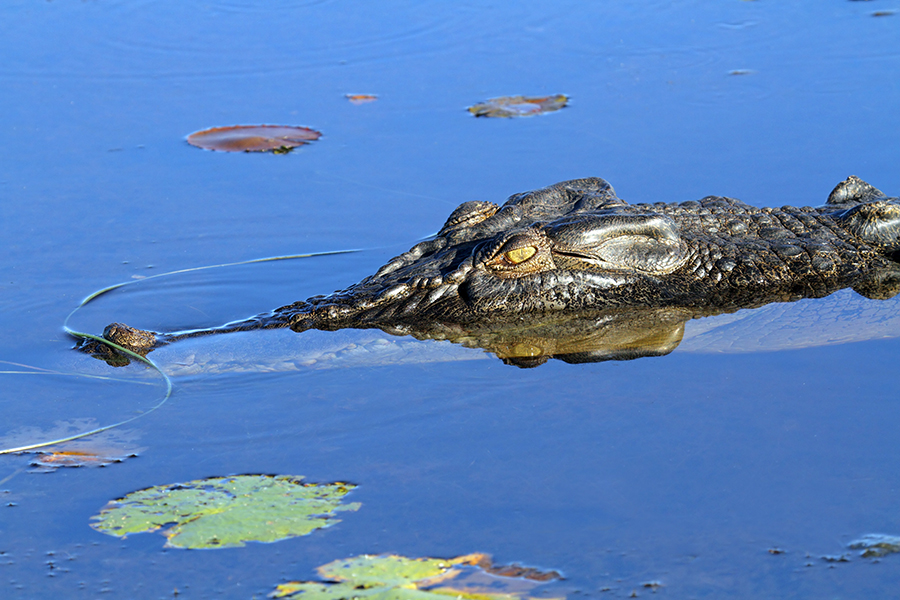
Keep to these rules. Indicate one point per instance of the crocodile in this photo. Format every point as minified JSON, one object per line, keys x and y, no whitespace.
{"x":574,"y":253}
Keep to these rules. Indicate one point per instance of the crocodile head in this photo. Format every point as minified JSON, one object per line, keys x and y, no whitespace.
{"x":562,"y":247}
{"x":575,"y":246}
{"x":575,"y":252}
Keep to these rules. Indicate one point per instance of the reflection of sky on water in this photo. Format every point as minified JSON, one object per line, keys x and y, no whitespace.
{"x":683,"y":469}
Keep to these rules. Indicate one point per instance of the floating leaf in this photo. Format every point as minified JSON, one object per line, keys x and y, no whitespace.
{"x":100,"y":450}
{"x":519,"y":106}
{"x":47,"y":462}
{"x":309,"y":590}
{"x":224,"y":512}
{"x":391,"y":577}
{"x":875,"y":545}
{"x":391,"y":570}
{"x":279,"y":139}
{"x":361,"y":98}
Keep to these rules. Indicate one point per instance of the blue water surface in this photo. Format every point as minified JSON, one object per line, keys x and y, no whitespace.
{"x":715,"y":475}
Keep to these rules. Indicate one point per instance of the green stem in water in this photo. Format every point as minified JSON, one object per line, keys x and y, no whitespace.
{"x":134,"y":355}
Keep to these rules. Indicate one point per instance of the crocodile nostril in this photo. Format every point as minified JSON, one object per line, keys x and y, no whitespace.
{"x":129,"y":337}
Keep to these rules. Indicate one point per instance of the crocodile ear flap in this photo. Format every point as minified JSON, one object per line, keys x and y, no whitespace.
{"x":875,"y":223}
{"x":648,"y":243}
{"x":869,"y":214}
{"x":642,"y":253}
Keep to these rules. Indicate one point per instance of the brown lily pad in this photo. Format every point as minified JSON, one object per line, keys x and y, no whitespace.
{"x":361,"y":98}
{"x":279,"y":139}
{"x":100,"y":450}
{"x":519,"y":106}
{"x":47,"y":462}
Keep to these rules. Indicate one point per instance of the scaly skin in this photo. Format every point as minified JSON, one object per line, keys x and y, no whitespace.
{"x":575,"y":248}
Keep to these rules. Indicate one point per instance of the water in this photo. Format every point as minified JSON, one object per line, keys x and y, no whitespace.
{"x":685,"y":469}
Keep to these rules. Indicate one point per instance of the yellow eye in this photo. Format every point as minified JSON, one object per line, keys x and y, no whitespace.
{"x":520,"y":255}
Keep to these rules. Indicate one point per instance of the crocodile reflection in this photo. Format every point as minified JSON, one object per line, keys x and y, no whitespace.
{"x":623,"y":334}
{"x":630,"y":333}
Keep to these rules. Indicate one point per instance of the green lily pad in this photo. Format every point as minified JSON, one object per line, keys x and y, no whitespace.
{"x":519,"y":106}
{"x":309,"y":590}
{"x":391,"y":577}
{"x":225,"y":512}
{"x":391,"y":570}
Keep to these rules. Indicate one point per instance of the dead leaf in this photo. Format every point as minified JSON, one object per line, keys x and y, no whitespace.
{"x":519,"y":106}
{"x":47,"y":462}
{"x":99,"y":450}
{"x":279,"y":139}
{"x":361,"y":98}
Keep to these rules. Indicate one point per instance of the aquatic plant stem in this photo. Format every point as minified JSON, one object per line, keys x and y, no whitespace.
{"x":116,"y":286}
{"x":134,"y":355}
{"x":84,"y":434}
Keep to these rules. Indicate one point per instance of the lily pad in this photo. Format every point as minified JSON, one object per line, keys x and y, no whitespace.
{"x":99,"y":450}
{"x":876,"y":545}
{"x":392,"y":577}
{"x":361,"y":98}
{"x":279,"y":139}
{"x":47,"y":462}
{"x":225,"y":512}
{"x":519,"y":106}
{"x":392,"y":570}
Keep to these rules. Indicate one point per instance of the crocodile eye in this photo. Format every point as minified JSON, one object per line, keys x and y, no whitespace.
{"x":524,"y":253}
{"x":520,"y":255}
